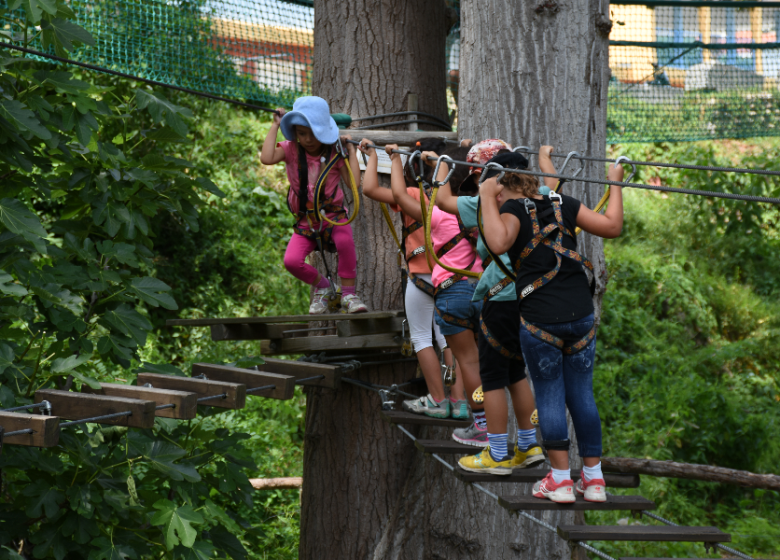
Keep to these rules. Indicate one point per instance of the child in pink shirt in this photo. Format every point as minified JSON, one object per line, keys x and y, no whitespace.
{"x":311,"y":133}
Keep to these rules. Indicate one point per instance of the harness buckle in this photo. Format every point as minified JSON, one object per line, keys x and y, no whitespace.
{"x":552,"y":194}
{"x":447,"y":283}
{"x":529,"y":205}
{"x":418,"y":251}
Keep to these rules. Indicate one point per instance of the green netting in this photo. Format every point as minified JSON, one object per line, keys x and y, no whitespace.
{"x":680,"y":69}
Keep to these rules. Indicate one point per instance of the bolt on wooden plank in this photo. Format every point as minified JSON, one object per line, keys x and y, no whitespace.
{"x":185,"y":404}
{"x":46,"y":429}
{"x":284,"y":385}
{"x":77,"y":406}
{"x":235,"y":393}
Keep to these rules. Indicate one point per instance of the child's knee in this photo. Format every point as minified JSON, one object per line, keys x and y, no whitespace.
{"x":293,"y":263}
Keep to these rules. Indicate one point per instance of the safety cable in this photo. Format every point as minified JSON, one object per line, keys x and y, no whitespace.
{"x":376,"y":388}
{"x":96,"y":419}
{"x":212,"y":397}
{"x":307,"y":379}
{"x":43,"y":404}
{"x":164,"y":406}
{"x":711,"y":194}
{"x":135,"y":78}
{"x":263,"y":388}
{"x":19,"y":432}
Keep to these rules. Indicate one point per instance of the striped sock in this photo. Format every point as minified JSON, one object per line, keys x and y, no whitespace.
{"x":497,"y":446}
{"x":526,"y":439}
{"x":479,"y":419}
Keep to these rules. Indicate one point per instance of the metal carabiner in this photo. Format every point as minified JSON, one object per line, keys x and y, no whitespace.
{"x":410,"y":163}
{"x":491,"y":165}
{"x":406,"y":342}
{"x":621,"y":159}
{"x":566,"y":162}
{"x":340,"y":148}
{"x":446,"y":180}
{"x":522,"y":148}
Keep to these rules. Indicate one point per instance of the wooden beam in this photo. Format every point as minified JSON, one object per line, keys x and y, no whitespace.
{"x":309,"y":344}
{"x":446,"y":447}
{"x":274,"y":483}
{"x":235,"y":393}
{"x":46,"y":429}
{"x":283,"y":319}
{"x":612,"y":480}
{"x":185,"y":403}
{"x":400,"y":417}
{"x":258,"y":331}
{"x":641,"y":533}
{"x":613,"y":503}
{"x":77,"y":406}
{"x":284,"y":384}
{"x":371,"y":326}
{"x":303,"y":370}
{"x":400,"y":137}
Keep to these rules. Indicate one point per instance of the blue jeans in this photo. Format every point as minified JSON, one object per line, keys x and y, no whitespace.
{"x":564,"y":381}
{"x":456,"y":301}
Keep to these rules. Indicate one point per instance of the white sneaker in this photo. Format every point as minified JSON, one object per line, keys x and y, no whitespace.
{"x":350,"y":303}
{"x":319,"y":303}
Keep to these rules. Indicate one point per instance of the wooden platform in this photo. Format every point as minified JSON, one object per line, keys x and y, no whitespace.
{"x":400,"y":417}
{"x":612,"y":480}
{"x":309,"y":344}
{"x":613,"y":503}
{"x":283,"y":319}
{"x":446,"y":447}
{"x":642,"y":533}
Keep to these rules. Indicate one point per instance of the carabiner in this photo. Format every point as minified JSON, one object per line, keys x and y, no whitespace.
{"x":566,"y":162}
{"x":621,"y":159}
{"x":522,"y":148}
{"x":341,"y":149}
{"x":410,"y":162}
{"x":491,"y":165}
{"x":446,"y":180}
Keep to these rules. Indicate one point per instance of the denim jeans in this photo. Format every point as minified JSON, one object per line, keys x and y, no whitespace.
{"x":456,"y":301}
{"x":564,"y":381}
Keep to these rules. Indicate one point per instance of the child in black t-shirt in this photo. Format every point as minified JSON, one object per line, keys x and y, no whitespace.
{"x":557,"y":331}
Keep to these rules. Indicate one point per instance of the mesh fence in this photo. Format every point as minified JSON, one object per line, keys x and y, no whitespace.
{"x":680,"y":69}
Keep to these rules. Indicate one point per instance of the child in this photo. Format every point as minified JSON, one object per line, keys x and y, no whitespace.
{"x":456,"y":315}
{"x":557,"y":330}
{"x":418,"y":298}
{"x":311,"y":133}
{"x":500,"y":359}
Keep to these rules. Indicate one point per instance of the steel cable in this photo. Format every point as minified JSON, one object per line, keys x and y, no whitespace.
{"x":43,"y":404}
{"x":96,"y":419}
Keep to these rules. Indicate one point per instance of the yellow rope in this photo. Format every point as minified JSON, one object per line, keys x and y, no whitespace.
{"x":602,"y":203}
{"x":390,"y":225}
{"x":353,"y":186}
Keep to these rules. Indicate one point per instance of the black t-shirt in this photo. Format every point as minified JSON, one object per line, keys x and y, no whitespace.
{"x":567,"y":296}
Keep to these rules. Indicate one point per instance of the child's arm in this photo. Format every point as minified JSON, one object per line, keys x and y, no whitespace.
{"x":371,"y":187}
{"x":409,"y":205}
{"x":611,"y":223}
{"x":500,"y":229}
{"x":353,"y":163}
{"x":271,"y":153}
{"x":546,"y":166}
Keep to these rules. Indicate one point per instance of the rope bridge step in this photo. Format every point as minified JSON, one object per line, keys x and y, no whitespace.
{"x":184,"y":405}
{"x":235,"y":393}
{"x":398,"y":417}
{"x":81,"y":405}
{"x":313,"y":344}
{"x":302,"y":370}
{"x":613,"y":503}
{"x":642,"y":533}
{"x":283,"y":319}
{"x":38,"y":431}
{"x":284,"y":385}
{"x":612,"y":480}
{"x":446,"y":447}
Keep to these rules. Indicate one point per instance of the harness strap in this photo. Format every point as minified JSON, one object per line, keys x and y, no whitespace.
{"x":493,"y":257}
{"x":422,"y":284}
{"x":495,"y":344}
{"x":452,"y":320}
{"x":558,"y":342}
{"x":303,"y":179}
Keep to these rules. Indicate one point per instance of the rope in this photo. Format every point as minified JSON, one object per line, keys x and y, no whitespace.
{"x":135,"y":78}
{"x":711,"y":194}
{"x":43,"y":404}
{"x":352,"y":185}
{"x":96,"y":419}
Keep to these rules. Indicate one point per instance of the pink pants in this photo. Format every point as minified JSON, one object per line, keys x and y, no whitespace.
{"x":300,"y":247}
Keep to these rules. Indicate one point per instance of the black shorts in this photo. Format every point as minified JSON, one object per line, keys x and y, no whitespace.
{"x":499,"y":367}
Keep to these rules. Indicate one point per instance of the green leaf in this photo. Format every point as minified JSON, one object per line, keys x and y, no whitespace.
{"x":162,"y":456}
{"x":228,"y":543}
{"x":63,"y":365}
{"x":129,"y":322}
{"x":177,"y":523}
{"x":108,"y":550}
{"x":86,"y":380}
{"x":22,"y":119}
{"x":132,"y":492}
{"x":7,"y":356}
{"x":35,"y":8}
{"x":122,"y":252}
{"x":7,"y":285}
{"x":18,"y":219}
{"x":201,"y":550}
{"x":66,"y":33}
{"x":209,"y":185}
{"x":165,"y":134}
{"x":249,"y":362}
{"x":63,"y":82}
{"x":152,"y":291}
{"x":43,"y":498}
{"x":166,"y":369}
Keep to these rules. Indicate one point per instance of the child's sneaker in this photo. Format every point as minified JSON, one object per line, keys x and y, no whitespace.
{"x":319,"y":303}
{"x":460,"y":410}
{"x":473,"y":435}
{"x":562,"y":493}
{"x":483,"y":462}
{"x":426,"y":405}
{"x":350,"y":303}
{"x":528,"y":458}
{"x":593,"y":490}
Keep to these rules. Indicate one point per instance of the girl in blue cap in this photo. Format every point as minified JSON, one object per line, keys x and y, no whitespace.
{"x":311,"y":134}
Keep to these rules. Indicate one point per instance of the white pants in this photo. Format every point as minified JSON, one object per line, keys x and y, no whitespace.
{"x":419,"y":316}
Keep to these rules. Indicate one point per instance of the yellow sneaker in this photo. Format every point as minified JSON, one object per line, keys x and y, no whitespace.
{"x":527,"y":459}
{"x":483,"y":462}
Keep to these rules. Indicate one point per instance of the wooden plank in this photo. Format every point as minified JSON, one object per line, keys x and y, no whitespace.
{"x":400,"y":417}
{"x":446,"y":447}
{"x":77,"y":406}
{"x":532,"y":475}
{"x":46,"y":429}
{"x":400,"y":137}
{"x":283,"y":319}
{"x":642,"y":533}
{"x":235,"y":393}
{"x":370,"y":326}
{"x":613,"y":503}
{"x":185,"y":403}
{"x":303,"y":370}
{"x":305,"y":345}
{"x":258,"y":331}
{"x":285,"y":384}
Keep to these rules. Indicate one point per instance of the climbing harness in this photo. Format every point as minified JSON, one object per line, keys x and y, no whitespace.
{"x":318,"y":211}
{"x":334,"y":298}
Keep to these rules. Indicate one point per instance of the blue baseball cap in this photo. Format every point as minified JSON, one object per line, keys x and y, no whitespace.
{"x":312,"y":112}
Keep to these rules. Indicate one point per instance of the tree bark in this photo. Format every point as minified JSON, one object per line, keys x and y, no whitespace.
{"x":670,"y":469}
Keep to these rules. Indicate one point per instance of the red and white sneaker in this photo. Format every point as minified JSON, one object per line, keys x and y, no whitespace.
{"x":593,"y":490}
{"x":562,"y":493}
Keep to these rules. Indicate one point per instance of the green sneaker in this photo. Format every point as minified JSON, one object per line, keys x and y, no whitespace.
{"x":426,"y":405}
{"x":460,"y":409}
